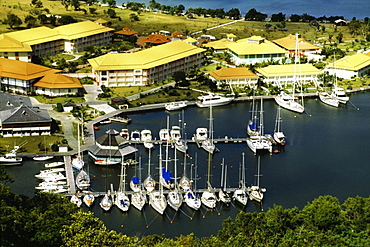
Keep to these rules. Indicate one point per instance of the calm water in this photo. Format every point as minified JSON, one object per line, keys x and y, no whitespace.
{"x":317,"y":8}
{"x":326,"y":153}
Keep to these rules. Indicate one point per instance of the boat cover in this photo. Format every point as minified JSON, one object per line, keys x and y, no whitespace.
{"x":166,"y":175}
{"x":135,"y":180}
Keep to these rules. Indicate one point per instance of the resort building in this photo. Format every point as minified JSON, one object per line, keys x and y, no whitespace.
{"x":25,"y":78}
{"x":146,"y":66}
{"x":111,"y":147}
{"x":126,"y":33}
{"x":284,"y":75}
{"x":24,"y":120}
{"x":304,"y":48}
{"x":255,"y":50}
{"x":349,"y":67}
{"x":234,"y":77}
{"x":44,"y":41}
{"x":156,"y":39}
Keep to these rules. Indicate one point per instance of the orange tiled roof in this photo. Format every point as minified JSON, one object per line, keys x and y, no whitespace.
{"x":54,"y":81}
{"x":126,"y":31}
{"x":157,"y":39}
{"x":22,"y":70}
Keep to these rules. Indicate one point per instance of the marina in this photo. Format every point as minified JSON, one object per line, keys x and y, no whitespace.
{"x":292,"y":177}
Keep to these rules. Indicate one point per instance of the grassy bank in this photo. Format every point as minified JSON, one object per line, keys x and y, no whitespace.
{"x":32,"y":143}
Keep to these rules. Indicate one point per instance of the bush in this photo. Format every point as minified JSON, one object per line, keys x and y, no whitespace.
{"x":59,"y":107}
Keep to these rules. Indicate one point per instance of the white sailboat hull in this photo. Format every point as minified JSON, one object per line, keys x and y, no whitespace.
{"x":328,"y":99}
{"x":287,"y":102}
{"x":158,"y":201}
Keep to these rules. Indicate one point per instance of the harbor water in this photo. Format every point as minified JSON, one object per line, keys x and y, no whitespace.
{"x":326,"y":154}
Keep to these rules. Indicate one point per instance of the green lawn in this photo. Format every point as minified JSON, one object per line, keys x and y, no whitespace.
{"x":32,"y":143}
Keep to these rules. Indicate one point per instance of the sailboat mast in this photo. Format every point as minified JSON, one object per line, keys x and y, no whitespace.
{"x":243,"y":171}
{"x":225,"y":176}
{"x":222,"y":172}
{"x":258,"y":171}
{"x":175,"y":164}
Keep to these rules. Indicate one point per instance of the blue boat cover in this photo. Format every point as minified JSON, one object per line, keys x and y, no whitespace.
{"x":166,"y":175}
{"x":135,"y":180}
{"x":253,"y":126}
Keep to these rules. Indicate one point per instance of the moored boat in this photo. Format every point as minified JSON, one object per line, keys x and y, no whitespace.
{"x":173,"y":106}
{"x":212,"y":100}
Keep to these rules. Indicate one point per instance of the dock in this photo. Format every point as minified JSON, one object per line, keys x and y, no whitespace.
{"x":69,"y":175}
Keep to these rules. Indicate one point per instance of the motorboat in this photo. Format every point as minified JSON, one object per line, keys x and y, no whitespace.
{"x":50,"y":174}
{"x":82,"y":180}
{"x":42,"y":157}
{"x":173,"y":106}
{"x":118,"y":119}
{"x":88,"y":199}
{"x":175,"y":133}
{"x":201,"y":134}
{"x":54,"y":164}
{"x":135,"y":136}
{"x":11,"y":158}
{"x":164,"y":135}
{"x":212,"y":100}
{"x":208,"y":198}
{"x":106,"y":202}
{"x":146,"y":138}
{"x":125,"y":134}
{"x":329,"y":99}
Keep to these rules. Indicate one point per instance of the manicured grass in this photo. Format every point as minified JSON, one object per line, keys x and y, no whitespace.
{"x":8,"y":143}
{"x":55,"y":100}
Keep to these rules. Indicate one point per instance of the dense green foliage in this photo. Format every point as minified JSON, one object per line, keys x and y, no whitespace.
{"x":51,"y":220}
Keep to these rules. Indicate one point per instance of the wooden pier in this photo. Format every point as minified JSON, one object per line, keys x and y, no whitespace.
{"x":69,"y":174}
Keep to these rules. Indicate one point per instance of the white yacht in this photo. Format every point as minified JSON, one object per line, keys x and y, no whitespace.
{"x":138,"y":200}
{"x":201,"y":134}
{"x":175,"y":133}
{"x":164,"y":135}
{"x":11,"y":158}
{"x":208,"y":198}
{"x":329,"y":99}
{"x":75,"y":199}
{"x":240,"y":194}
{"x":222,"y":193}
{"x":146,"y":138}
{"x":255,"y":191}
{"x":125,"y":134}
{"x":82,"y":180}
{"x":340,"y":95}
{"x":173,"y":106}
{"x":158,"y":201}
{"x":212,"y":100}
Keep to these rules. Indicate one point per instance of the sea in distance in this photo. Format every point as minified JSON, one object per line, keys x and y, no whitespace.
{"x":326,"y":154}
{"x":346,"y":8}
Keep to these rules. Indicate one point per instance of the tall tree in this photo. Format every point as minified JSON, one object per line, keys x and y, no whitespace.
{"x":13,"y":20}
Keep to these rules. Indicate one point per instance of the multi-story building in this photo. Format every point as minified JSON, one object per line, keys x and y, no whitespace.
{"x":146,"y":66}
{"x":44,"y":41}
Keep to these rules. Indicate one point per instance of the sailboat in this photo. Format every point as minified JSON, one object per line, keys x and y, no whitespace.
{"x":255,"y":192}
{"x":208,"y":197}
{"x":156,"y":198}
{"x":260,"y":142}
{"x":174,"y":197}
{"x":82,"y":180}
{"x":289,"y":101}
{"x":106,"y":203}
{"x":184,"y":182}
{"x":222,"y":194}
{"x":329,"y":98}
{"x":78,"y":162}
{"x":149,"y":183}
{"x":122,"y":201}
{"x":339,"y":92}
{"x":146,"y":138}
{"x":252,"y":128}
{"x":240,"y":194}
{"x":191,"y":198}
{"x":88,"y":199}
{"x":180,"y":143}
{"x":76,"y":200}
{"x":45,"y":156}
{"x":208,"y":144}
{"x":166,"y":178}
{"x":279,"y":136}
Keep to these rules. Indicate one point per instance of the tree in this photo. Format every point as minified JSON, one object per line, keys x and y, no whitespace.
{"x":134,"y":17}
{"x":233,"y":13}
{"x":278,"y":17}
{"x":340,"y":37}
{"x":254,"y":15}
{"x":295,"y":18}
{"x":30,"y":21}
{"x":66,"y":19}
{"x":111,"y":13}
{"x":13,"y":20}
